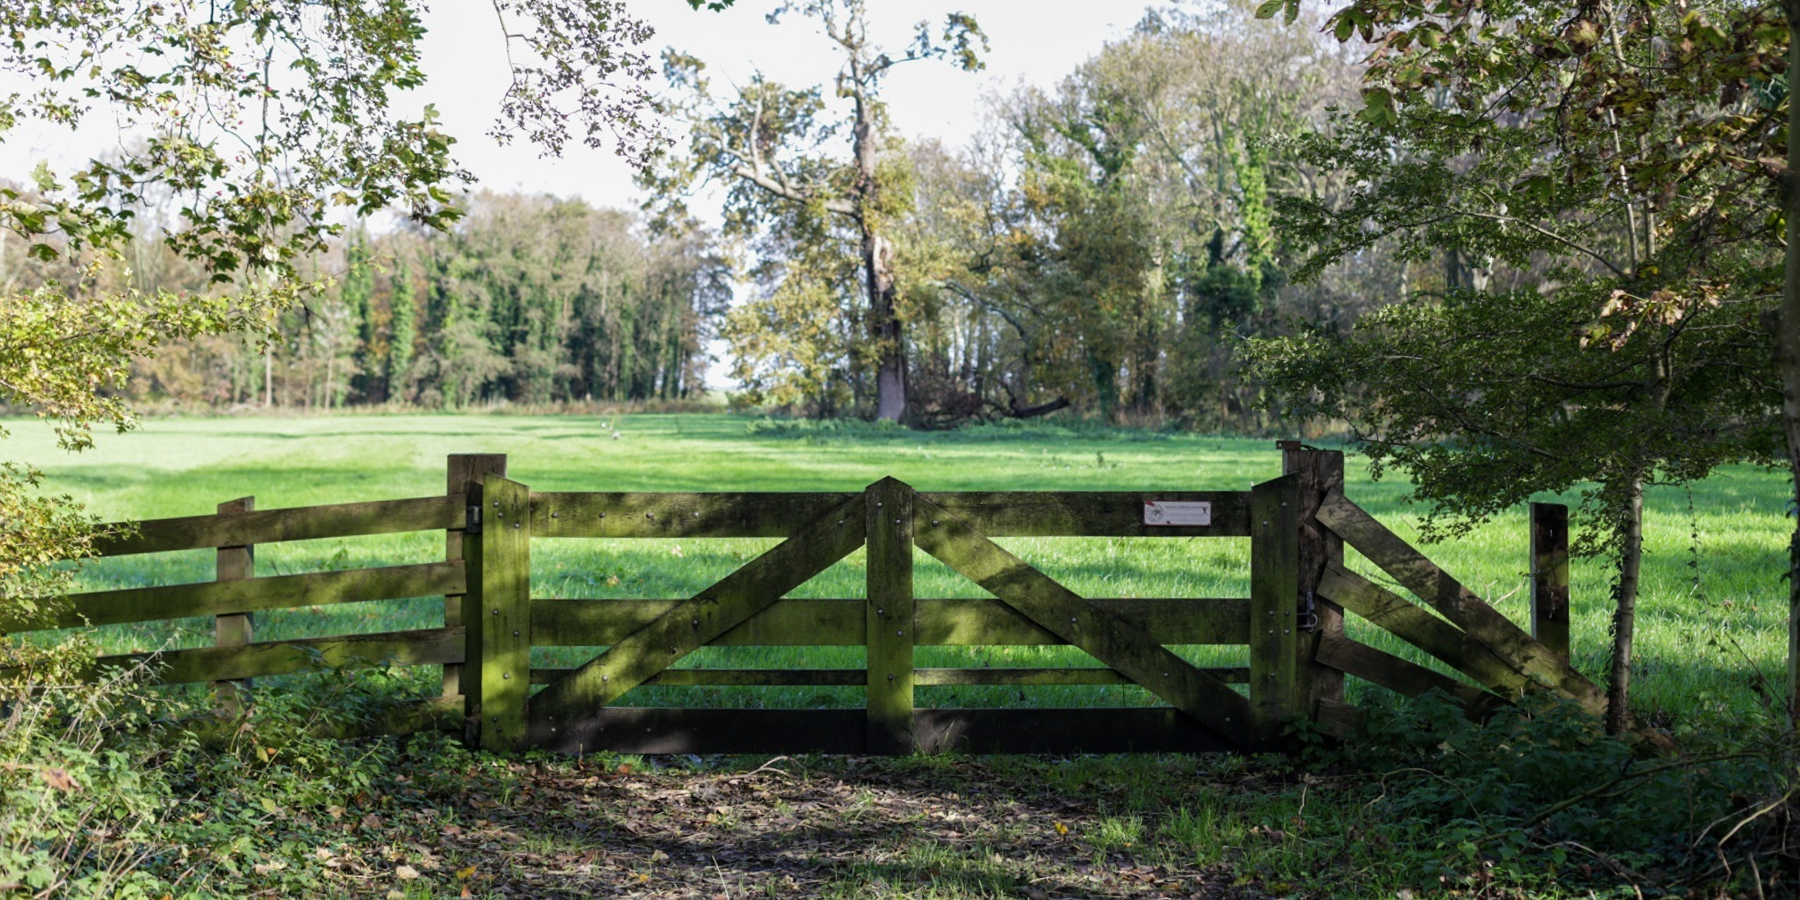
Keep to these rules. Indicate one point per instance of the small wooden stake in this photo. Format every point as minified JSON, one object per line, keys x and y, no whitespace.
{"x":502,"y":676}
{"x":890,"y":617}
{"x":237,"y":629}
{"x":1550,"y":576}
{"x":465,"y":471}
{"x":1274,"y":601}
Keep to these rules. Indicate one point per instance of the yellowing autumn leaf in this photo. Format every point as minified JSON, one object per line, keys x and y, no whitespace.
{"x":465,"y":874}
{"x":1061,"y":828}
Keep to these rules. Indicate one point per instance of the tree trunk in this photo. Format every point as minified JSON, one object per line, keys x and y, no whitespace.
{"x":1787,"y":331}
{"x":878,"y":266}
{"x":1631,"y":559}
{"x":884,"y":325}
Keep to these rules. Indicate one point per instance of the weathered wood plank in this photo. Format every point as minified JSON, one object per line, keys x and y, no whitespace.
{"x":462,"y":479}
{"x":656,"y":730}
{"x":1080,"y":675}
{"x":1458,"y":604}
{"x":1274,"y":600}
{"x":503,"y":669}
{"x":888,"y":505}
{"x":694,"y":623}
{"x":1321,"y":472}
{"x":796,"y":622}
{"x":1417,"y":626}
{"x":1550,"y":576}
{"x":1399,"y":675}
{"x":236,"y":629}
{"x":1337,"y":718}
{"x":678,"y":515}
{"x":1087,"y":675}
{"x":269,"y":658}
{"x":1089,"y":513}
{"x":301,"y":523}
{"x":775,"y":514}
{"x":1060,"y":611}
{"x":736,"y":677}
{"x":181,"y":601}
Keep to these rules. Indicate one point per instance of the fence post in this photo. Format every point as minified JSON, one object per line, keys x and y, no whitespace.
{"x":497,"y":616}
{"x":1321,"y":472}
{"x":464,"y":474}
{"x":890,"y":617}
{"x":237,"y":629}
{"x":1550,"y":576}
{"x":1274,"y":601}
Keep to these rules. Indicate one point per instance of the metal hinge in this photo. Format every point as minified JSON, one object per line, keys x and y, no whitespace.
{"x":1309,"y":614}
{"x":472,"y":520}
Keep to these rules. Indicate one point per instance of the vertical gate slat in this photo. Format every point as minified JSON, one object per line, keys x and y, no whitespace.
{"x":1274,"y":597}
{"x":463,"y":474}
{"x":502,"y":676}
{"x":1550,"y":576}
{"x":890,"y":617}
{"x":238,"y":629}
{"x":1321,"y":472}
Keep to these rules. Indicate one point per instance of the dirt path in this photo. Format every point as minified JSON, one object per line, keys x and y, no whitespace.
{"x":787,"y":828}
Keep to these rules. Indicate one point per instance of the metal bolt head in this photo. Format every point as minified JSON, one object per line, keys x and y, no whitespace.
{"x":515,"y":632}
{"x":496,"y":612}
{"x":505,"y":675}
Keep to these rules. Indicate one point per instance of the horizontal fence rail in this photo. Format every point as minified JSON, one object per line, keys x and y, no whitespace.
{"x":181,"y":601}
{"x":270,"y":526}
{"x":433,"y":646}
{"x":777,"y":514}
{"x":797,"y":622}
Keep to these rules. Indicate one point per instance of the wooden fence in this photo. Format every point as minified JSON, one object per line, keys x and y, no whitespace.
{"x":1292,"y":622}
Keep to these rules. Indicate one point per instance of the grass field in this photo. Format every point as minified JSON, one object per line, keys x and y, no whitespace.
{"x":1713,"y":612}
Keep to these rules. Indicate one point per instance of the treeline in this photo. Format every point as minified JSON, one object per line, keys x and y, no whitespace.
{"x":1108,"y":244}
{"x":527,"y":299}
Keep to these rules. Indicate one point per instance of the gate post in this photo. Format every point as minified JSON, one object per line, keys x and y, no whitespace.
{"x":1321,"y":472}
{"x":1550,"y":576}
{"x":497,"y":616}
{"x":889,"y":616}
{"x":237,"y":630}
{"x":1274,"y":598}
{"x":464,"y":472}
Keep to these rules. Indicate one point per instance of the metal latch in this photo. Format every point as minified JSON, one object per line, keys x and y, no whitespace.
{"x":472,"y":520}
{"x":1309,"y":614}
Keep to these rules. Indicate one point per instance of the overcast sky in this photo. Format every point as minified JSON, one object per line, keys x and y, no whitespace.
{"x":1035,"y":41}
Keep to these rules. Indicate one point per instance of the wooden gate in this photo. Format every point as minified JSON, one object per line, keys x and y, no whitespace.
{"x":1293,"y":623}
{"x":1130,"y":638}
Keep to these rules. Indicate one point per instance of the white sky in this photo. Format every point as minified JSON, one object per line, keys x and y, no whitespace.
{"x":1035,"y":41}
{"x":1032,"y":41}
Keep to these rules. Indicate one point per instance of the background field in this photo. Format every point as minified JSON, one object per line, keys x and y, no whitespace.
{"x":1712,"y":613}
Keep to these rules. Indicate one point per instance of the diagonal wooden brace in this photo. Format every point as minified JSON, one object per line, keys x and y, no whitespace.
{"x":1060,"y":611}
{"x":694,"y":623}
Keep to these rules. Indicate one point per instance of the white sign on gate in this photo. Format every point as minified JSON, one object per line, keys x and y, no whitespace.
{"x":1177,"y":512}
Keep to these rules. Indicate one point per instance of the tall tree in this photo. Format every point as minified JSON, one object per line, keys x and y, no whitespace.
{"x":265,"y":119}
{"x":768,"y":143}
{"x":1604,"y":156}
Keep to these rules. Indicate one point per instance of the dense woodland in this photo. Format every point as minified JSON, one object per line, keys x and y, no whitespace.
{"x":1106,"y":245}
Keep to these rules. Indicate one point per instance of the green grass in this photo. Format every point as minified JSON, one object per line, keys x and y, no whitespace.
{"x":1704,"y":632}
